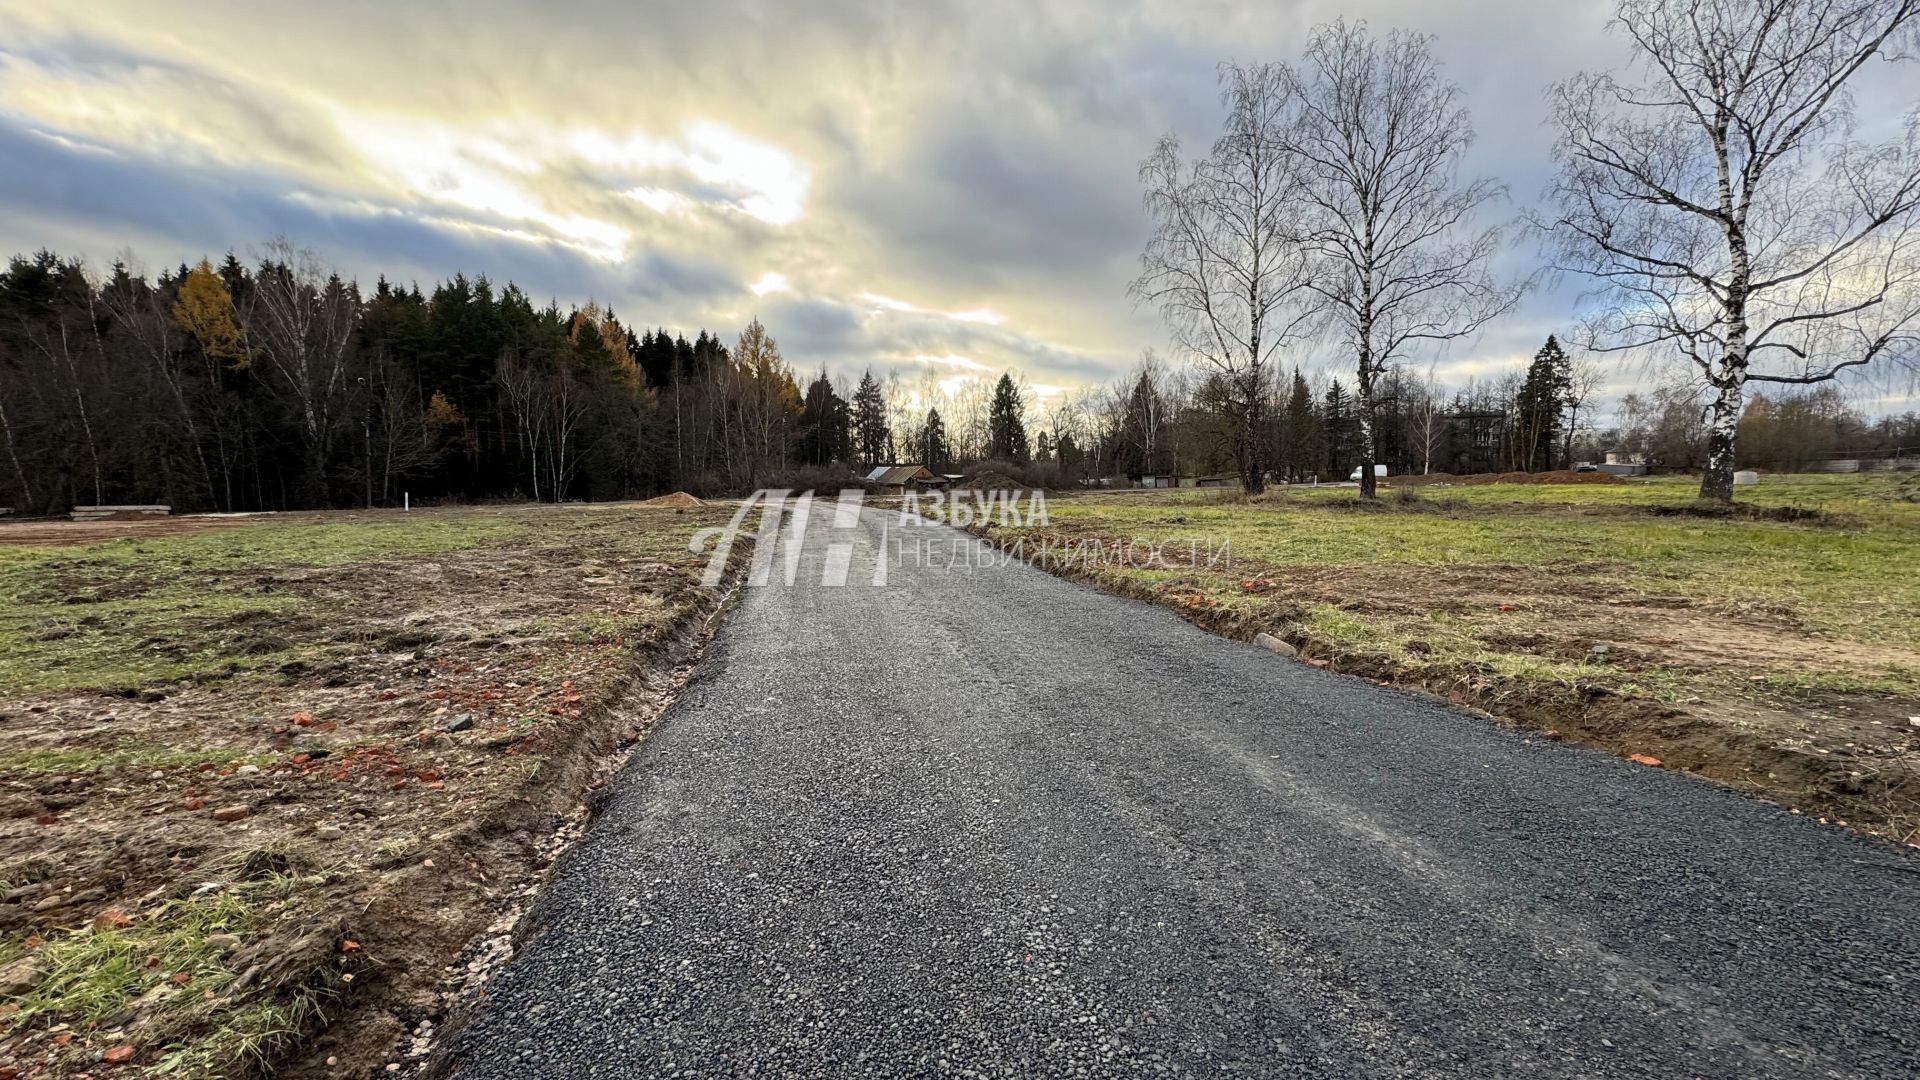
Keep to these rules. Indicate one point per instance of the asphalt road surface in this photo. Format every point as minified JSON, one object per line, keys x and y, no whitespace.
{"x":985,"y":822}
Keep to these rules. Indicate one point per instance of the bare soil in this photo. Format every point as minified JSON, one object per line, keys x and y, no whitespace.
{"x":407,"y":788}
{"x":53,"y":532}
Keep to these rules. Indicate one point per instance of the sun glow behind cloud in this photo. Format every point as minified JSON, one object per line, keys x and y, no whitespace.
{"x":508,"y":171}
{"x":771,"y":282}
{"x":761,"y":180}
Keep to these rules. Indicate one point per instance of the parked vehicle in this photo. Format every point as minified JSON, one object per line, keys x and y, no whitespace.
{"x":1378,"y":470}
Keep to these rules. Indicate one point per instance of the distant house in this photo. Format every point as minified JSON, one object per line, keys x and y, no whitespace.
{"x":1218,"y":480}
{"x":1620,"y":463}
{"x":1161,"y":480}
{"x":899,"y":479}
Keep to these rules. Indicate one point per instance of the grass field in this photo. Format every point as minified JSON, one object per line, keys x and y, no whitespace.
{"x":1781,"y":655}
{"x":259,"y":773}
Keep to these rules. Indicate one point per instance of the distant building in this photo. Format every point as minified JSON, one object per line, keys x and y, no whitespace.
{"x":1621,"y":463}
{"x":1161,"y":480}
{"x":1219,"y":480}
{"x":899,"y":479}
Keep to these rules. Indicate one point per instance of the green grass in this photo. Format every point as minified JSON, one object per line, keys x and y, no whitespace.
{"x":1853,"y":575}
{"x":93,"y":977}
{"x":1859,"y":580}
{"x":127,"y":614}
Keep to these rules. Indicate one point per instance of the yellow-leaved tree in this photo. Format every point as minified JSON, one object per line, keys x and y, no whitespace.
{"x":204,"y":309}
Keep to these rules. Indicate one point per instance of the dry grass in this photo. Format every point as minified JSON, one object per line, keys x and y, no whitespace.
{"x":1774,"y":648}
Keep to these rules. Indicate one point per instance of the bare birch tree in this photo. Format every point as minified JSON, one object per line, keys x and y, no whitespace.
{"x":520,"y":389}
{"x":1426,"y":419}
{"x":1377,"y":134}
{"x":1719,"y":197}
{"x":1224,"y":266}
{"x":303,"y":318}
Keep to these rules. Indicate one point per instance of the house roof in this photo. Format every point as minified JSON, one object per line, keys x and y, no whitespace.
{"x":895,"y":474}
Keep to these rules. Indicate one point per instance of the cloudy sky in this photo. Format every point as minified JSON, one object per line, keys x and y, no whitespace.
{"x":944,"y":189}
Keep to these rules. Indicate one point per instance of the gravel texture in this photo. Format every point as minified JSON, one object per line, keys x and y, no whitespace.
{"x":984,"y":822}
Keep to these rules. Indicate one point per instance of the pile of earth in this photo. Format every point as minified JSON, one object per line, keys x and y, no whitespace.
{"x":991,"y":480}
{"x":677,"y":500}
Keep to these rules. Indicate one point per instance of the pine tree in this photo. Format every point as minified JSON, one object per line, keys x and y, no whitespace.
{"x":1069,"y":455}
{"x":825,"y":424}
{"x":1302,"y":443}
{"x":1540,"y":405}
{"x":933,"y":443}
{"x":870,"y":421}
{"x":1342,"y":425}
{"x":1006,"y":431}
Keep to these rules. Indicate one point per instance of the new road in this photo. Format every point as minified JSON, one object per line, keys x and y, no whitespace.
{"x":979,"y":821}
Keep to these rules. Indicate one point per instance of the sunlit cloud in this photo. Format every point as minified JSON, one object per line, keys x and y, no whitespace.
{"x":760,"y":179}
{"x":977,"y":315}
{"x":770,"y":282}
{"x":887,"y":303}
{"x":658,"y":200}
{"x":953,"y":360}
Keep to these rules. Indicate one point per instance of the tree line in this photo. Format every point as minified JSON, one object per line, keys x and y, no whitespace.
{"x":1170,"y":419}
{"x":283,"y":385}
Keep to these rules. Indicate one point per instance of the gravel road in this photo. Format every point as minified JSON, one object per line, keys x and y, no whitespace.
{"x":984,"y":822}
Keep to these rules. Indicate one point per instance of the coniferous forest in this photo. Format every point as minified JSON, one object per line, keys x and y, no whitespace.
{"x":283,"y":385}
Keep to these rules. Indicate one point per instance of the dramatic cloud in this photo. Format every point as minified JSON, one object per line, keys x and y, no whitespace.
{"x":940,"y":191}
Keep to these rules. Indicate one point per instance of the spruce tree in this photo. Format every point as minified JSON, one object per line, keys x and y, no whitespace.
{"x":1342,"y":424}
{"x":1006,"y":431}
{"x":933,"y":443}
{"x":870,"y":421}
{"x":1302,"y":445}
{"x":1538,"y":408}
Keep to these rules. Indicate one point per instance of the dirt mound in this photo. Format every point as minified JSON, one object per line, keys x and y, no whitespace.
{"x":678,"y":499}
{"x":1556,"y":476}
{"x":991,"y":480}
